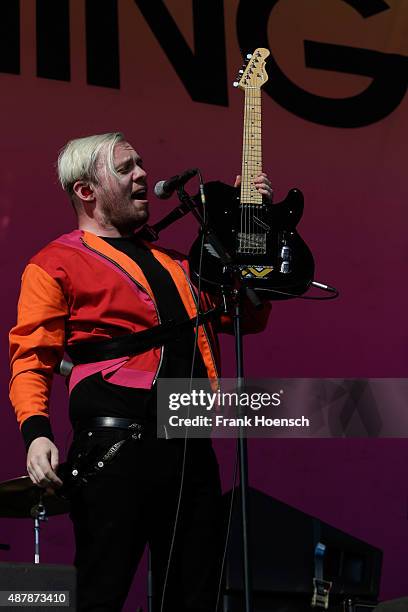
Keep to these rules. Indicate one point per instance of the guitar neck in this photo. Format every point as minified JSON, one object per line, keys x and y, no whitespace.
{"x":252,"y":146}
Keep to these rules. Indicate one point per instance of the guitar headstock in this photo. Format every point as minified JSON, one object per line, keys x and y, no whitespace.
{"x":253,"y":74}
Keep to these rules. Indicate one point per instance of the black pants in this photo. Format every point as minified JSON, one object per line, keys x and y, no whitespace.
{"x":132,"y":501}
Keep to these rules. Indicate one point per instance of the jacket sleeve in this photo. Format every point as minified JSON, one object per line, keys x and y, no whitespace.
{"x":36,"y":347}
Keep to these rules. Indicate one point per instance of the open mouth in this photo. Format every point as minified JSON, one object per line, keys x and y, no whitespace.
{"x":141,"y":194}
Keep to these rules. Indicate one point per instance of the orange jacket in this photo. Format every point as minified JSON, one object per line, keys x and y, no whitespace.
{"x":80,"y":288}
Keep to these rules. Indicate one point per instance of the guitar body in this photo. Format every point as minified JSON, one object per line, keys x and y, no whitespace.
{"x":262,"y":242}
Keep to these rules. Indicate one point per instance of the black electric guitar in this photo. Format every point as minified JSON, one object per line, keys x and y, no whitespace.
{"x":260,"y":237}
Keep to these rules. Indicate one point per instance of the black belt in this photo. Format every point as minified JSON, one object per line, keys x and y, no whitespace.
{"x":119,"y":422}
{"x":134,"y":344}
{"x":85,"y":466}
{"x":137,"y":427}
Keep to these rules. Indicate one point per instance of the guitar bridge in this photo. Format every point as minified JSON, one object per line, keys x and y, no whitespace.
{"x":254,"y":243}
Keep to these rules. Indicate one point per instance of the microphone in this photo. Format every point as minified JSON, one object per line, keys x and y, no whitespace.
{"x":165,"y":189}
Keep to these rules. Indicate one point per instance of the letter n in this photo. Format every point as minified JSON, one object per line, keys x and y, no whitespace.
{"x":53,"y":50}
{"x":102,"y":43}
{"x":10,"y":37}
{"x":203,"y":73}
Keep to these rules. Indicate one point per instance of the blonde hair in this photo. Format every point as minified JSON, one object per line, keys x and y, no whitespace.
{"x":77,"y":160}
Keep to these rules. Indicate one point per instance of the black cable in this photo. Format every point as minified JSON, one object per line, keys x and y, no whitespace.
{"x":228,"y":529}
{"x":333,"y":295}
{"x":183,"y":465}
{"x":199,"y":280}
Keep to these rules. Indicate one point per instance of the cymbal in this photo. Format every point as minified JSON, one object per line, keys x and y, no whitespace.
{"x":19,"y":495}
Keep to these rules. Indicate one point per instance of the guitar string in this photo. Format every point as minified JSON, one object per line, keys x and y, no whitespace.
{"x":252,"y":239}
{"x":262,"y":212}
{"x":249,"y":171}
{"x":261,"y":233}
{"x":256,"y":234}
{"x":251,"y":227}
{"x":255,"y":156}
{"x":244,"y":235}
{"x":243,"y":175}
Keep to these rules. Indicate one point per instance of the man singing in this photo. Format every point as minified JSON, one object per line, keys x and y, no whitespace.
{"x":87,"y":289}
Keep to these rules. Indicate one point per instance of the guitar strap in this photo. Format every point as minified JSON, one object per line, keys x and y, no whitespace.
{"x":136,"y":343}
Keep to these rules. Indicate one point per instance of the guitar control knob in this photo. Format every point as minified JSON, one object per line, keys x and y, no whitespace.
{"x":285,"y":268}
{"x":285,"y":252}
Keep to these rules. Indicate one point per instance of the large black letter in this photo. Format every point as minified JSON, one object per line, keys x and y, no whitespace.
{"x":102,"y":43}
{"x":368,"y":8}
{"x":53,"y":58}
{"x":204,"y":74}
{"x":382,"y":96}
{"x":10,"y":37}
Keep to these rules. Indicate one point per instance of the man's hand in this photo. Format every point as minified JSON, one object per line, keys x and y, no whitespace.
{"x":262,"y":183}
{"x":42,"y":463}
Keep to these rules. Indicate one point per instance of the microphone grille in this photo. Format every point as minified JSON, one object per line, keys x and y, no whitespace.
{"x":159,"y":191}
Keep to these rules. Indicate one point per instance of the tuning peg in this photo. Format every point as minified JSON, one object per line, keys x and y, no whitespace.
{"x":241,"y":71}
{"x":235,"y":84}
{"x":249,"y":55}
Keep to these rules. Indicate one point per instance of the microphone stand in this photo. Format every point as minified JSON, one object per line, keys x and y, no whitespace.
{"x":243,"y":456}
{"x":151,"y":233}
{"x":238,"y":293}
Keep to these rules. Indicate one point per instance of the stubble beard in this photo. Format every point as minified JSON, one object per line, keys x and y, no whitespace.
{"x":123,"y":216}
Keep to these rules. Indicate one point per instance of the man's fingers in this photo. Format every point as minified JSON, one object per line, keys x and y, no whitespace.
{"x":265,"y":191}
{"x":38,"y":478}
{"x":49,"y":479}
{"x":44,"y":473}
{"x":261,"y":182}
{"x":32,"y":476}
{"x":263,"y":185}
{"x":49,"y":476}
{"x":42,"y":463}
{"x":54,"y":458}
{"x":54,"y":466}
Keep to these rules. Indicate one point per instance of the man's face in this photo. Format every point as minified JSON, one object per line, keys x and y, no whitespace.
{"x":122,"y":199}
